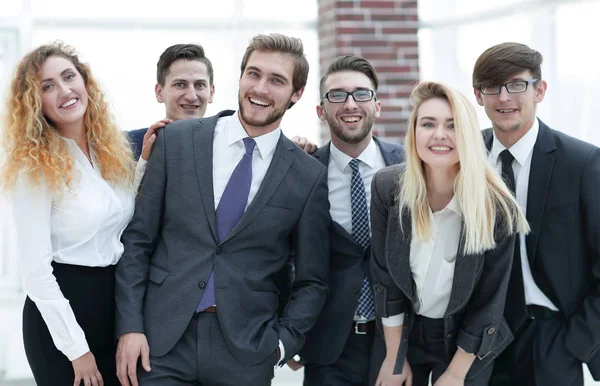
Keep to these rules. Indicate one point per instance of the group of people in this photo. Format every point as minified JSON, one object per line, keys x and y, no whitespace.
{"x":464,"y":257}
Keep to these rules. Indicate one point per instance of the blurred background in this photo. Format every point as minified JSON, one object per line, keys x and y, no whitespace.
{"x":406,"y":40}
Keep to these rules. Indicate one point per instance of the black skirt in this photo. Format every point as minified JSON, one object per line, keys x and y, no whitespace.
{"x":90,"y":291}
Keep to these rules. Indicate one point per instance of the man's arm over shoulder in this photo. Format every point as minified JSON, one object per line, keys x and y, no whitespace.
{"x":311,"y":262}
{"x":136,"y":139}
{"x":139,"y":241}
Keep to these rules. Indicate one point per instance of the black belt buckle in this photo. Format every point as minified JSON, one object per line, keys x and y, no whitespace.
{"x":358,"y":330}
{"x":539,"y":312}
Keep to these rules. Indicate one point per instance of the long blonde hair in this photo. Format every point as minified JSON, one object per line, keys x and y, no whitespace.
{"x":32,"y":143}
{"x":482,"y":195}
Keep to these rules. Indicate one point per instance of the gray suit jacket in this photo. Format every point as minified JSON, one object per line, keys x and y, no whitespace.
{"x":348,"y":266}
{"x":171,"y":248}
{"x":474,"y":317}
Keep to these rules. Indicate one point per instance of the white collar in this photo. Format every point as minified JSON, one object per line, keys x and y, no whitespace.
{"x":265,"y":143}
{"x":520,"y":149}
{"x":368,"y":156}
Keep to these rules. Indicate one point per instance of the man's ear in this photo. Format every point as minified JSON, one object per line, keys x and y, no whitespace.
{"x":212,"y":93}
{"x":540,"y":91}
{"x":158,"y":93}
{"x":297,"y":95}
{"x":321,"y":113}
{"x":478,"y":96}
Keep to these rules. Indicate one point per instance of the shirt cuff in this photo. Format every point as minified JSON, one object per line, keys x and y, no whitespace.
{"x":281,"y":355}
{"x":393,"y":321}
{"x":140,"y":169}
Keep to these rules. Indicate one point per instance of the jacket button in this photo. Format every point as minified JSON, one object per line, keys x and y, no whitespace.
{"x":219,"y":250}
{"x":202,"y":284}
{"x":491,"y":330}
{"x":356,"y":289}
{"x":449,"y":336}
{"x":378,"y":289}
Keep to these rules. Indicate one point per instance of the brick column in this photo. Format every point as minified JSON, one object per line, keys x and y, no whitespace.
{"x":385,"y":33}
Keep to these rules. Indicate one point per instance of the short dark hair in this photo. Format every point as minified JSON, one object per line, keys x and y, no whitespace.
{"x":500,"y":62}
{"x":181,"y":51}
{"x":350,"y":63}
{"x":284,"y":44}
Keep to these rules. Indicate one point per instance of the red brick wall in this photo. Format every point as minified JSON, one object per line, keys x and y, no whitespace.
{"x":385,"y":33}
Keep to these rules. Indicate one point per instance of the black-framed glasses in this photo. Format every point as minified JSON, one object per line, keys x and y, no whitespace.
{"x":514,"y":87}
{"x":342,"y":96}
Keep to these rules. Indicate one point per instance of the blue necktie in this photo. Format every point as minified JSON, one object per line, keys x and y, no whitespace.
{"x":362,"y":235}
{"x":231,"y":208}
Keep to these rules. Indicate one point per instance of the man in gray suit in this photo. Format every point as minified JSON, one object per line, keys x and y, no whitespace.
{"x":223,"y":203}
{"x":345,"y":348}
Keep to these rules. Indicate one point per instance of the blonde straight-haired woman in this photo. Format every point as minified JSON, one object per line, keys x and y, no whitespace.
{"x":444,"y":226}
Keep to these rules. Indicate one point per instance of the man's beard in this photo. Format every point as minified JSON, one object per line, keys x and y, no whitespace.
{"x":276,"y":114}
{"x":351,"y":138}
{"x":505,"y":129}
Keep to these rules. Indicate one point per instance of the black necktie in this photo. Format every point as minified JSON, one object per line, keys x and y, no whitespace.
{"x":515,"y":308}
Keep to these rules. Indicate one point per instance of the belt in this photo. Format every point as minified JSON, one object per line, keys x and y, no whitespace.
{"x":540,"y":312}
{"x":364,"y":328}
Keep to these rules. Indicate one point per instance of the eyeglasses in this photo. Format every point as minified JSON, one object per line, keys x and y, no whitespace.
{"x":342,"y":96}
{"x":515,"y":87}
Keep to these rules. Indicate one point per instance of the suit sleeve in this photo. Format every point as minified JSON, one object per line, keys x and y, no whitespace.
{"x":310,"y":241}
{"x":139,"y":241}
{"x":389,"y":299}
{"x":485,"y":311}
{"x":583,"y":329}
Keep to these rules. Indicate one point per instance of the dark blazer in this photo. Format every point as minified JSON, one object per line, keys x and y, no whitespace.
{"x":348,"y":266}
{"x":136,"y":139}
{"x":563,"y":248}
{"x":474,"y":317}
{"x":171,"y":248}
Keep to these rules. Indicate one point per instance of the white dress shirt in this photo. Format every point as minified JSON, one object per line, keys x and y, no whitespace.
{"x":522,"y":151}
{"x":339,"y":179}
{"x":432,"y":264}
{"x":80,"y":225}
{"x":228,"y":150}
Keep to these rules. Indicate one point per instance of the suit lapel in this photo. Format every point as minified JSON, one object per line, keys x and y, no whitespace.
{"x":391,"y":154}
{"x":280,"y":164}
{"x":465,"y":270}
{"x":202,"y":142}
{"x":322,"y":154}
{"x":398,"y":246}
{"x":542,"y":164}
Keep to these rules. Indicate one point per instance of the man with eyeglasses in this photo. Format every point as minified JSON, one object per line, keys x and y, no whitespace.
{"x":553,"y":300}
{"x":345,"y":347}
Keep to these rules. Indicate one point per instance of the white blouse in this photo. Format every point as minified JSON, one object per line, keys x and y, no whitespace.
{"x":80,"y":225}
{"x":432,"y":264}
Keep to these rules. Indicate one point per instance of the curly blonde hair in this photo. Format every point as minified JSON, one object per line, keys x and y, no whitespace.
{"x":31,"y":142}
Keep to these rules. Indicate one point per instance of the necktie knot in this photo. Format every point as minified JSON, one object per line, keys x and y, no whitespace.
{"x":506,"y":157}
{"x":249,"y":143}
{"x":354,"y":165}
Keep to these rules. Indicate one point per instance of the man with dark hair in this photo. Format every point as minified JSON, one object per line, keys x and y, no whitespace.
{"x":225,"y":201}
{"x":184,"y":83}
{"x":345,"y":347}
{"x":553,"y":300}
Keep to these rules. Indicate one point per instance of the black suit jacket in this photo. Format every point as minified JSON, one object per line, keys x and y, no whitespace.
{"x":136,"y":139}
{"x":563,"y":248}
{"x":171,"y":247}
{"x":348,"y":266}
